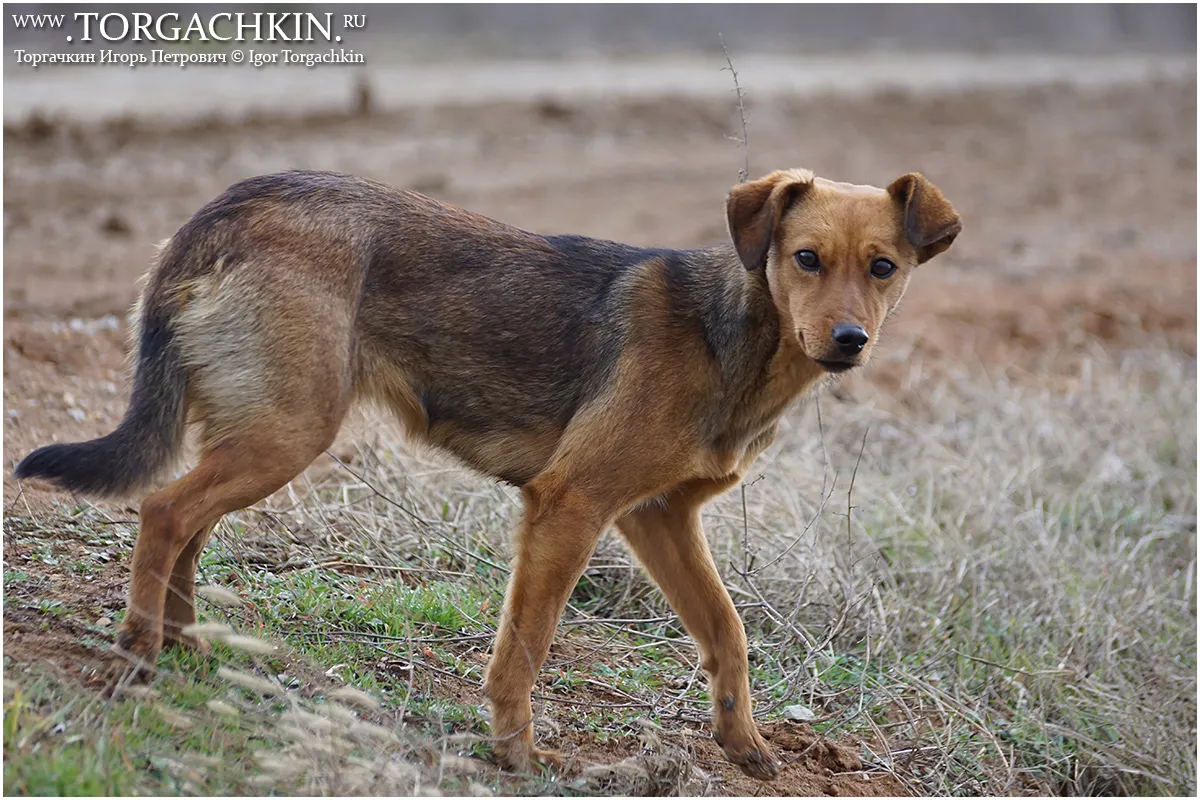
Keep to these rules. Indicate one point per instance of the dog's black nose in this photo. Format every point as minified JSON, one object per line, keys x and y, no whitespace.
{"x":850,"y":338}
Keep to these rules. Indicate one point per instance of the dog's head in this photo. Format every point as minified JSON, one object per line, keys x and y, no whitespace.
{"x":837,"y":257}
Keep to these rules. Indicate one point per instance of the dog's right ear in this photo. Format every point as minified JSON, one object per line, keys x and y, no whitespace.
{"x":754,"y":209}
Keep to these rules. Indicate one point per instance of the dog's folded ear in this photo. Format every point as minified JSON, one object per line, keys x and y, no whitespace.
{"x":754,"y":209}
{"x":930,"y":222}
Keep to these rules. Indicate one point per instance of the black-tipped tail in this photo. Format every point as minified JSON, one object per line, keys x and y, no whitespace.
{"x":145,"y":442}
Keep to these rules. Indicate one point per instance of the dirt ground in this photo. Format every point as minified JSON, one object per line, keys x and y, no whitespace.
{"x":1079,"y":237}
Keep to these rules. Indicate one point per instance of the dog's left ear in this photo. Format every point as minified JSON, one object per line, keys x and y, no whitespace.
{"x":754,"y":209}
{"x":930,"y":222}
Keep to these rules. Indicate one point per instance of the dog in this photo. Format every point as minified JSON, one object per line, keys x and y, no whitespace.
{"x":613,"y":384}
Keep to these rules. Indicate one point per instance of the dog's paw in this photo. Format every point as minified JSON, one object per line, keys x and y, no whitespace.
{"x":759,"y":763}
{"x":750,"y":752}
{"x":122,"y":674}
{"x":552,"y":760}
{"x":526,"y":760}
{"x":132,"y":657}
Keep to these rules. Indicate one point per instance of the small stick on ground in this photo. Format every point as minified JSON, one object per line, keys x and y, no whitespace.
{"x":850,"y":491}
{"x":744,"y":139}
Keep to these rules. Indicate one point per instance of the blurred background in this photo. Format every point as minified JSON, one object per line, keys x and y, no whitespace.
{"x":1027,"y":433}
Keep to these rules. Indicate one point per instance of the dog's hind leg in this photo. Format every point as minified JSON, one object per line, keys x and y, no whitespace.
{"x":269,"y":357}
{"x":670,"y":543}
{"x":180,"y":610}
{"x":230,"y":476}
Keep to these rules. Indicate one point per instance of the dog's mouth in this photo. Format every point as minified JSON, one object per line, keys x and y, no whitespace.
{"x":836,"y":366}
{"x":832,"y":365}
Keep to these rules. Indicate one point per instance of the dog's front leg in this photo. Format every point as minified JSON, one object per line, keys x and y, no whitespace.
{"x":555,"y":542}
{"x":670,"y":543}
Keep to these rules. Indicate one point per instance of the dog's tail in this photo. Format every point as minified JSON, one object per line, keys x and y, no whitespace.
{"x":148,"y":438}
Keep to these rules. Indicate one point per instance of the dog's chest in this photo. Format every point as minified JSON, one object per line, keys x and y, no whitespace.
{"x":735,"y":457}
{"x":747,"y":427}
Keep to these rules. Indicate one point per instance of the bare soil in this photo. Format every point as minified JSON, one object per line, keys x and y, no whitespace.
{"x":1079,"y":208}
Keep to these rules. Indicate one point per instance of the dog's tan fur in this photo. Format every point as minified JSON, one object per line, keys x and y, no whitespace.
{"x":614,"y":385}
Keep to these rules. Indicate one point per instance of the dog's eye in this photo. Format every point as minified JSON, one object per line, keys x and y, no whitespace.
{"x":808,"y":260}
{"x":882,"y":268}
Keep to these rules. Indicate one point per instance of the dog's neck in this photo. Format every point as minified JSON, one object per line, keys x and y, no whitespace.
{"x":763,"y":367}
{"x":785,"y":372}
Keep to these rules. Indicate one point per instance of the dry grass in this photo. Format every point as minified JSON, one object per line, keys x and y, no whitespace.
{"x":1019,"y":566}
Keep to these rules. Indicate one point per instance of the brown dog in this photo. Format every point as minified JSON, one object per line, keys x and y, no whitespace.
{"x":613,"y":384}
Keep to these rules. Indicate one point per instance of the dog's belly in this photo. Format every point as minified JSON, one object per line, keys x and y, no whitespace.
{"x":500,"y":428}
{"x":513,"y":456}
